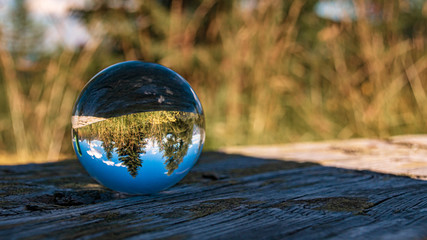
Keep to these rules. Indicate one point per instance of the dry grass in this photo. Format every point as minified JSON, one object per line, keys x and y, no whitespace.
{"x":275,"y":74}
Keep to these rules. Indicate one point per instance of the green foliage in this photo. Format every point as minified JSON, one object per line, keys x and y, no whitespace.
{"x":129,"y":135}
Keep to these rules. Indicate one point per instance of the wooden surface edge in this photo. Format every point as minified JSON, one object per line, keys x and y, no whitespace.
{"x":399,"y":155}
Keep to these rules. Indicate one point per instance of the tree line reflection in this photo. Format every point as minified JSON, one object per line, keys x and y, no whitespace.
{"x":129,"y":136}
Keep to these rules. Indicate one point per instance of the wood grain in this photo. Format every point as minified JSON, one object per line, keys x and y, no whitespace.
{"x":401,"y":155}
{"x":226,"y":196}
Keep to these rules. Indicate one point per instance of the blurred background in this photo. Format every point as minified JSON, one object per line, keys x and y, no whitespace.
{"x":266,"y":71}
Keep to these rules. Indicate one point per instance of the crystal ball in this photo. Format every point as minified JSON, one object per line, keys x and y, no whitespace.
{"x":138,"y":127}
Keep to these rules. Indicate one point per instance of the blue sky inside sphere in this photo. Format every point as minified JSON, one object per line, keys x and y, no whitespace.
{"x":152,"y":176}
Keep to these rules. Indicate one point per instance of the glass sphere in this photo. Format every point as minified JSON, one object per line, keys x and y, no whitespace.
{"x":138,"y":127}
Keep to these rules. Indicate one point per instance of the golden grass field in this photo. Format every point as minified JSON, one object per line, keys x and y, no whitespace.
{"x":276,"y":73}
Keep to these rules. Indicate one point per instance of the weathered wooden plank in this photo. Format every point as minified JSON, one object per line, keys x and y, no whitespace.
{"x":402,"y":155}
{"x":81,"y":121}
{"x":225,"y":196}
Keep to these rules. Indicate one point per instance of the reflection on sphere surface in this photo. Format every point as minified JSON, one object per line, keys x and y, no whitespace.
{"x":138,"y":127}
